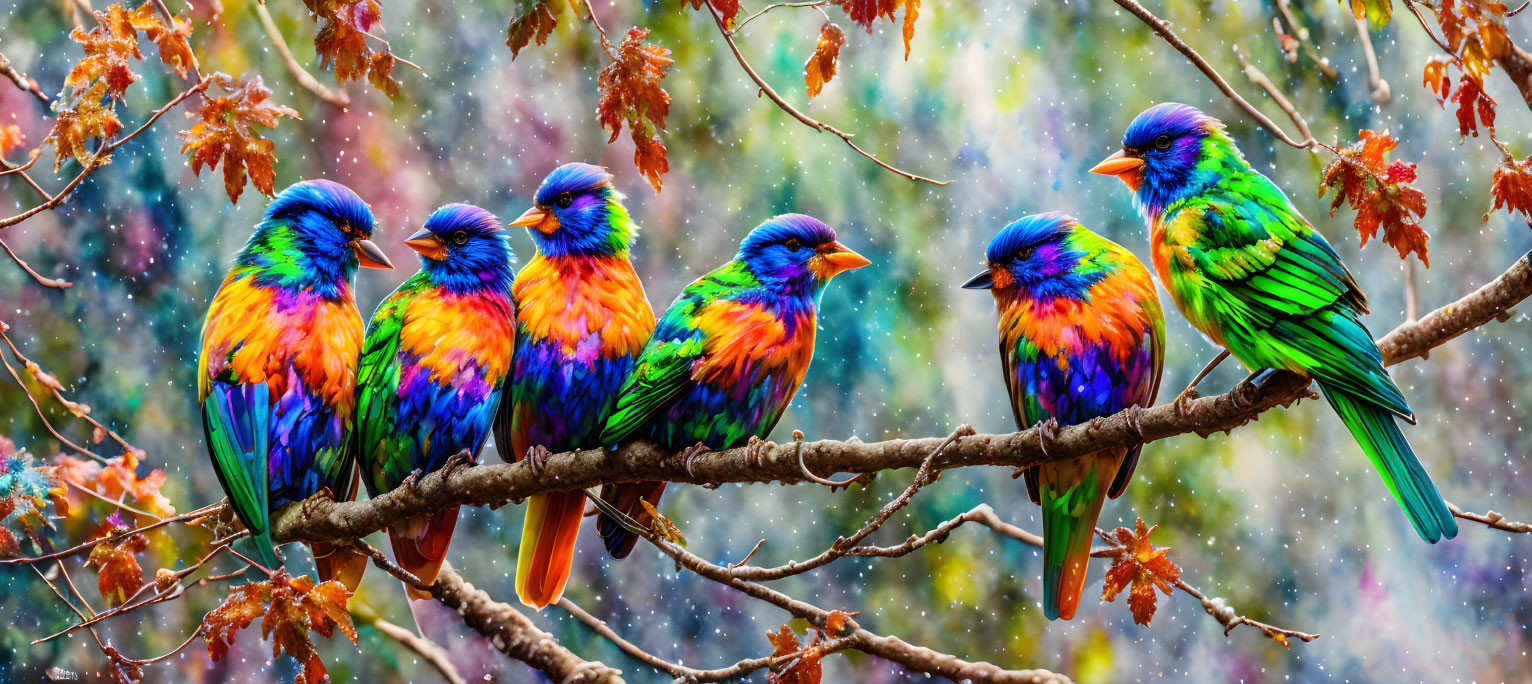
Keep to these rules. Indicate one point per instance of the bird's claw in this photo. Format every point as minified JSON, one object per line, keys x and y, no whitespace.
{"x":412,"y":480}
{"x":537,"y":459}
{"x":689,"y":456}
{"x":756,"y":450}
{"x":461,"y":459}
{"x":1135,"y":417}
{"x":1184,"y":401}
{"x":1047,"y":432}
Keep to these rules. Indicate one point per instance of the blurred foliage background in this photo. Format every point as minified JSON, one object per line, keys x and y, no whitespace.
{"x":1013,"y":101}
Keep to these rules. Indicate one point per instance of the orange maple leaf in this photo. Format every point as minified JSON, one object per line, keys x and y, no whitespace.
{"x":631,"y":93}
{"x":227,"y":133}
{"x":821,"y":65}
{"x":535,"y":23}
{"x":1137,"y":563}
{"x":289,"y":609}
{"x":1511,"y":186}
{"x":794,"y":664}
{"x":1382,"y":193}
{"x":116,"y":560}
{"x":116,"y":480}
{"x":728,"y":9}
{"x":172,"y":40}
{"x":86,"y":118}
{"x":108,"y":49}
{"x":341,"y":41}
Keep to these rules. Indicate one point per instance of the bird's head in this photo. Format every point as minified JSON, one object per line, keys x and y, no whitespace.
{"x":796,"y":252}
{"x":321,"y":222}
{"x":577,"y":212}
{"x":1041,"y":256}
{"x":465,"y":241}
{"x":1161,"y":150}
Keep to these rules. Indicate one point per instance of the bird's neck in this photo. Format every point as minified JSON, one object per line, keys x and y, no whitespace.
{"x":279,"y":256}
{"x":471,"y":277}
{"x":1219,"y":163}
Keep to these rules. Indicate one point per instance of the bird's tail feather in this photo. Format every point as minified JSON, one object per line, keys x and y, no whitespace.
{"x":265,"y":549}
{"x":619,"y":541}
{"x":548,"y":535}
{"x":1374,"y":429}
{"x":340,"y":563}
{"x":420,"y":546}
{"x":1069,"y":523}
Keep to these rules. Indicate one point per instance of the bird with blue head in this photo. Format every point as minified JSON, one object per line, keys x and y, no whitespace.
{"x":277,"y":370}
{"x":1082,"y":336}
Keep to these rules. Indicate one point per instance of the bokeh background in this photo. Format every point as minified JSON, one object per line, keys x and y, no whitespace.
{"x":1013,"y":101}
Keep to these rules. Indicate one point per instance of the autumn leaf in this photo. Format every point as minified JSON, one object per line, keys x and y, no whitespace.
{"x":380,"y":73}
{"x":289,"y":608}
{"x":631,"y":93}
{"x":1138,"y":564}
{"x":1471,"y":99}
{"x":11,"y":138}
{"x":838,"y":621}
{"x":821,"y":65}
{"x":535,"y":23}
{"x":116,"y":480}
{"x":116,"y":562}
{"x":797,"y":665}
{"x":662,"y":525}
{"x":1376,"y":12}
{"x":227,"y":133}
{"x":865,"y":12}
{"x":108,"y":49}
{"x":73,"y":125}
{"x":1382,"y":193}
{"x":173,"y":40}
{"x":727,"y":9}
{"x":1511,"y":186}
{"x":341,"y":41}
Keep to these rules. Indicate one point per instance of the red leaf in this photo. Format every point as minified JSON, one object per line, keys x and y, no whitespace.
{"x":1511,"y":186}
{"x":1471,"y":99}
{"x":821,"y":66}
{"x":794,"y":665}
{"x":227,"y":134}
{"x":536,"y":24}
{"x":865,"y":12}
{"x":108,"y":49}
{"x":296,"y":607}
{"x":1382,"y":193}
{"x":631,"y":93}
{"x":119,"y":575}
{"x":1137,"y":563}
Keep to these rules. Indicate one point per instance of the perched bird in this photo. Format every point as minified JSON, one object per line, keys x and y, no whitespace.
{"x":727,"y":357}
{"x":1081,"y":336}
{"x":437,"y":353}
{"x":1251,"y":273}
{"x":276,"y":375}
{"x":582,"y":318}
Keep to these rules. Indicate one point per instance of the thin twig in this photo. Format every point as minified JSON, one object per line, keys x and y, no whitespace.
{"x":21,"y":79}
{"x":57,"y":283}
{"x":1162,"y":28}
{"x":1375,"y":82}
{"x":735,"y":671}
{"x":741,"y":25}
{"x":1427,"y":27}
{"x":430,"y":650}
{"x":772,"y":95}
{"x":205,"y":510}
{"x":1259,"y":78}
{"x":337,"y":97}
{"x":1302,"y":34}
{"x":1492,"y":519}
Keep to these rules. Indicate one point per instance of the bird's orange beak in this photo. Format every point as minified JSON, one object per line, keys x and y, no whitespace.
{"x":1126,"y":168}
{"x":426,"y":243}
{"x":836,"y":257}
{"x":368,"y":255}
{"x":538,"y":218}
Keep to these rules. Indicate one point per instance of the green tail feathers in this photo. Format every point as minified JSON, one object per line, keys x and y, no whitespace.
{"x":264,"y":548}
{"x":1069,"y":524}
{"x":1374,"y":429}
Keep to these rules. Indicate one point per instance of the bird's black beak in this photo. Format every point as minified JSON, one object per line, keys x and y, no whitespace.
{"x":983,"y":281}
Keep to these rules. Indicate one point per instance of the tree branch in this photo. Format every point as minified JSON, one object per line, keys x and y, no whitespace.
{"x":1162,"y":28}
{"x":766,"y":89}
{"x":21,"y":79}
{"x":337,"y":97}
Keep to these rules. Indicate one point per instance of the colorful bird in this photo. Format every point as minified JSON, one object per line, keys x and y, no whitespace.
{"x":582,"y":318}
{"x":277,"y":372}
{"x":1081,"y":336}
{"x":1251,"y":273}
{"x":727,"y":357}
{"x":436,"y":358}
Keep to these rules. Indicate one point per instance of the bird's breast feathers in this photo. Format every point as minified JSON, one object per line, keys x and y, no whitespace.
{"x":574,"y":301}
{"x":459,"y":339}
{"x":744,"y":341}
{"x":1117,"y":314}
{"x":257,"y":335}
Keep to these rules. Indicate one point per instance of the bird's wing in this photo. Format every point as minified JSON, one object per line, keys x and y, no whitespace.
{"x":377,"y":388}
{"x":236,"y":420}
{"x":664,"y":368}
{"x":1284,"y":283}
{"x":1143,"y":390}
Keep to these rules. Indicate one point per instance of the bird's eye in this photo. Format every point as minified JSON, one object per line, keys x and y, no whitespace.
{"x":1162,"y":142}
{"x":1024,"y":254}
{"x":460,"y":237}
{"x":564,"y":200}
{"x":793,"y":245}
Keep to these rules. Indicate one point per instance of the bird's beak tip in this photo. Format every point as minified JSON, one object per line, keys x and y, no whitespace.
{"x":842,"y":258}
{"x":538,"y":218}
{"x":425,"y":244}
{"x":983,"y":281}
{"x":1117,"y":164}
{"x":369,"y":255}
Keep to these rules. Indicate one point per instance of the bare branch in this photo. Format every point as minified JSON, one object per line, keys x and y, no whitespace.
{"x":741,"y":25}
{"x":1491,"y":519}
{"x":1379,"y":87}
{"x":735,"y":671}
{"x":728,"y":37}
{"x":426,"y":648}
{"x":337,"y":97}
{"x":1259,"y":78}
{"x":21,"y":79}
{"x":1162,"y":28}
{"x":58,"y":283}
{"x":1301,"y":32}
